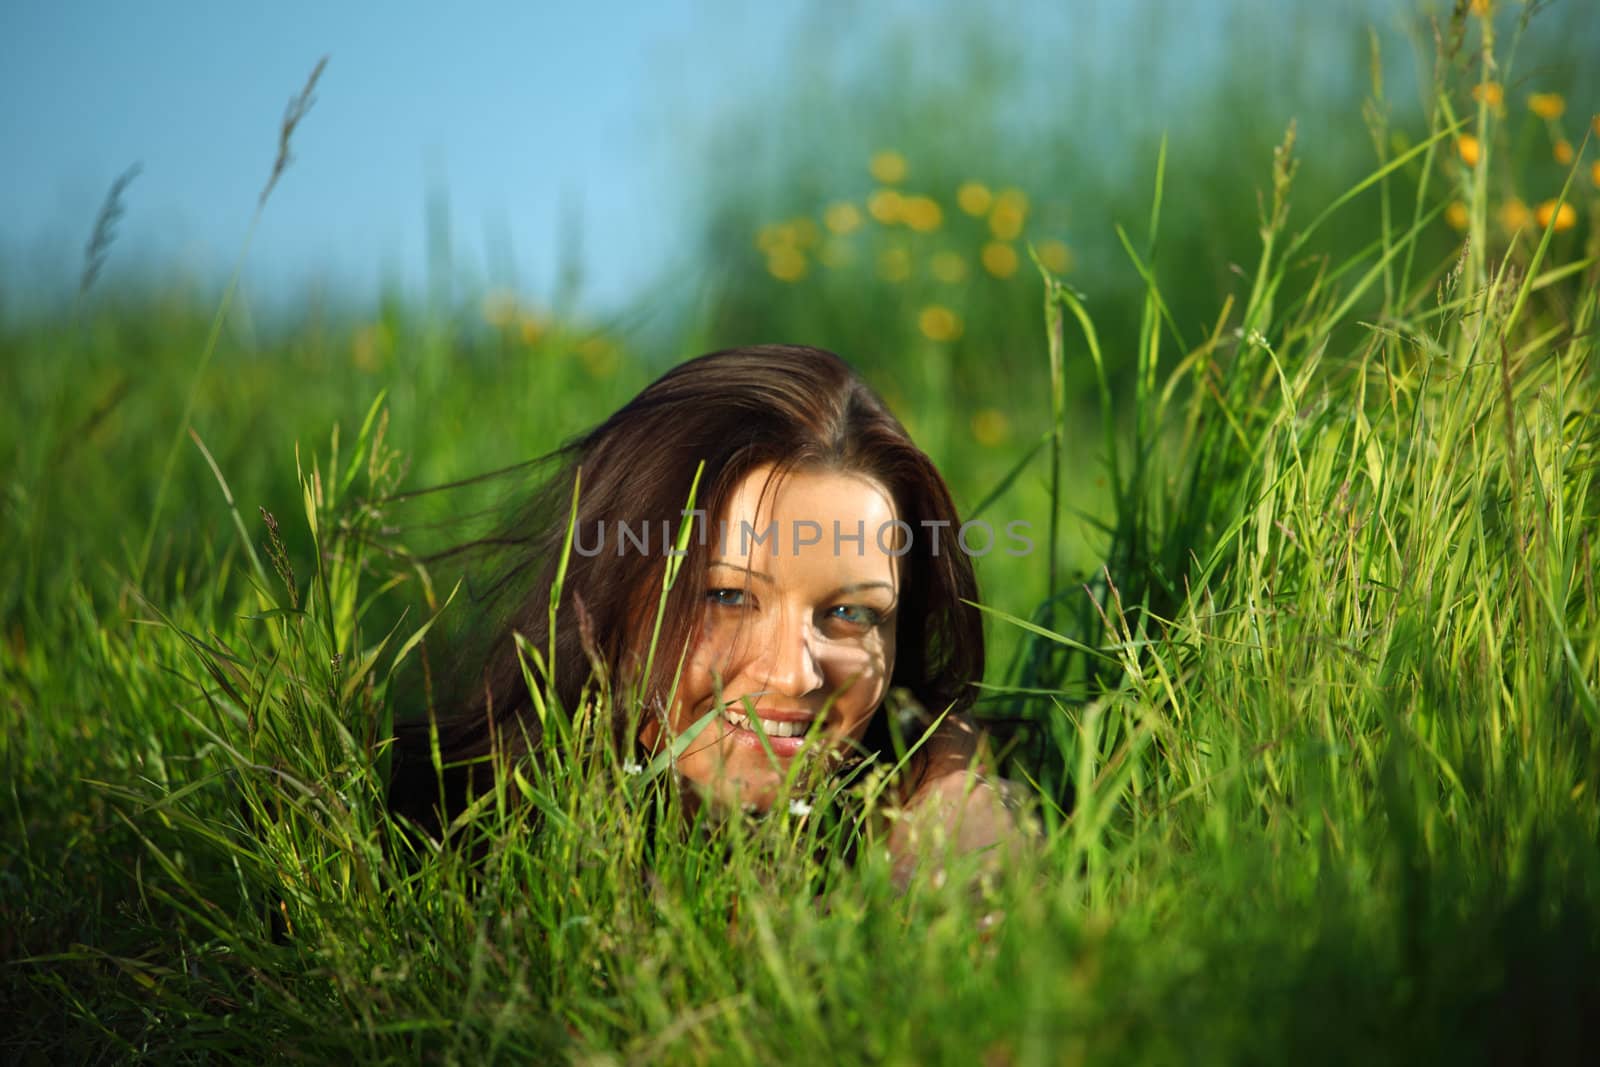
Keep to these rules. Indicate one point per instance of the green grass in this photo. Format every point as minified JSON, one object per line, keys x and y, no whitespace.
{"x":1316,"y":749}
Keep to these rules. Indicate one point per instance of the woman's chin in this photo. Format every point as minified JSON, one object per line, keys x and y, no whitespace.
{"x":745,"y":770}
{"x":735,"y":792}
{"x":750,"y":781}
{"x":747,"y":777}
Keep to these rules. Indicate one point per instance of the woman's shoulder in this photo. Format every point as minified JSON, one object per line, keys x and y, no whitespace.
{"x":952,"y":799}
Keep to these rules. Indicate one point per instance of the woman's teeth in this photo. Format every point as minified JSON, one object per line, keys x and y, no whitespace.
{"x":771,"y":727}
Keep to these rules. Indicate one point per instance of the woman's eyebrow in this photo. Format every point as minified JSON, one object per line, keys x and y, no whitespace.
{"x":853,"y":587}
{"x":856,"y":587}
{"x":735,"y":567}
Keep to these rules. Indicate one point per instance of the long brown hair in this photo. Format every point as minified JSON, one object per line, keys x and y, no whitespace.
{"x":788,"y":406}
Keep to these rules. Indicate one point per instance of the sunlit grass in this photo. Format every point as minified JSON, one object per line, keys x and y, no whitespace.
{"x":1315,"y":750}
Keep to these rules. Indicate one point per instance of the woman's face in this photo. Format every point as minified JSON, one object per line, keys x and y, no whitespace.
{"x":800,"y":635}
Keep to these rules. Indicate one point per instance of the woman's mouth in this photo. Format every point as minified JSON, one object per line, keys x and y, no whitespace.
{"x":784,"y":737}
{"x":770,"y":727}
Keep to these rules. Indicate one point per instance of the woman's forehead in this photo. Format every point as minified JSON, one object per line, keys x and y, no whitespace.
{"x":815,"y":515}
{"x":764,"y":491}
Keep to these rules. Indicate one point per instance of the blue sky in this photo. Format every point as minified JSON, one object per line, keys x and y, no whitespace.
{"x":522,"y":114}
{"x":532,"y":121}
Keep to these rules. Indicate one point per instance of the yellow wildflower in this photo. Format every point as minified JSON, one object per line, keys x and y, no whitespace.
{"x":500,"y":307}
{"x":921,"y":213}
{"x":990,"y":427}
{"x":531,"y":327}
{"x":1562,"y":150}
{"x":1489,"y":92}
{"x":974,"y":198}
{"x":1468,"y":149}
{"x":1566,"y":218}
{"x":999,"y":259}
{"x":1010,"y":209}
{"x":772,"y":235}
{"x":786,"y":263}
{"x":1456,"y":215}
{"x":1547,"y":105}
{"x":894,"y":264}
{"x":599,"y":356}
{"x":1514,"y":214}
{"x":1482,"y":8}
{"x":884,"y":205}
{"x":888,"y":167}
{"x":842,"y":217}
{"x":1055,"y":255}
{"x":939,"y":323}
{"x":948,"y":267}
{"x":367,"y":345}
{"x":1594,"y":173}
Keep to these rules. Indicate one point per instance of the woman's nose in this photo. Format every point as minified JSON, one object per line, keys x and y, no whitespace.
{"x":787,"y":662}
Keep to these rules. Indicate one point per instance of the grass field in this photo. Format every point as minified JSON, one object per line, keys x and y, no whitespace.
{"x":1307,"y":692}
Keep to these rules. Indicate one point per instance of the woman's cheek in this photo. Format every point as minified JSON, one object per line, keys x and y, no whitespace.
{"x":862,"y":674}
{"x":717,"y":646}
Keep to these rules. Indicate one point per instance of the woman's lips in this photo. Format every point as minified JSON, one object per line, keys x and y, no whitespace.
{"x":785,"y":729}
{"x":773,"y":714}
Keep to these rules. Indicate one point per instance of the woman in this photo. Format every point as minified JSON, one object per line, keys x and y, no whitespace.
{"x":820,"y":573}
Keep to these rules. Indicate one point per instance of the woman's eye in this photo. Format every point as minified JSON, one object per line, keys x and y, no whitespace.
{"x":856,"y":614}
{"x":726,"y":598}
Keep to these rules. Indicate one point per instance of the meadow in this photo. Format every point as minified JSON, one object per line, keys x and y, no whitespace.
{"x":1303,"y":681}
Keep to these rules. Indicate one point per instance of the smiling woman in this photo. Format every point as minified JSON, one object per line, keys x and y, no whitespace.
{"x":792,"y":647}
{"x":813,"y":582}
